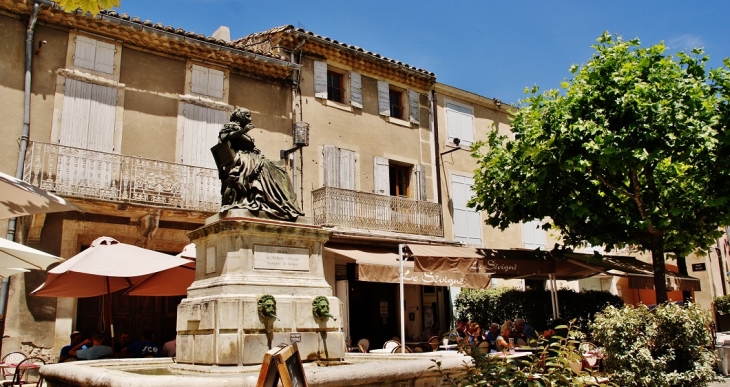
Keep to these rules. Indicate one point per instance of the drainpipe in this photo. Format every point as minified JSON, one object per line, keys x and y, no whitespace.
{"x":23,"y":142}
{"x":436,"y":155}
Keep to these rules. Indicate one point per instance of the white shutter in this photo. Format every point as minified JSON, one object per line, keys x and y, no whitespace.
{"x":413,"y":107}
{"x":84,"y":52}
{"x":467,"y":128}
{"x":383,"y":98}
{"x":381,"y":176}
{"x":102,"y":112}
{"x":104,"y":59}
{"x":200,"y":132}
{"x":199,"y":83}
{"x":467,"y":222}
{"x":75,"y":115}
{"x":355,"y":90}
{"x":331,"y":166}
{"x":420,"y":171}
{"x":320,"y":79}
{"x":347,"y":169}
{"x":215,"y":83}
{"x":453,"y":121}
{"x":533,"y":236}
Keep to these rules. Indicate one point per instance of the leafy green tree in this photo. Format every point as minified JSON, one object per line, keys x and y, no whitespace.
{"x":93,"y":6}
{"x":633,"y":151}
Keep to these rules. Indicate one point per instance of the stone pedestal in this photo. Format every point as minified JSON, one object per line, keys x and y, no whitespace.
{"x":239,"y":259}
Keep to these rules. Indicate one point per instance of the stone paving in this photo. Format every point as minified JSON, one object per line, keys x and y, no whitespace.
{"x":721,"y":384}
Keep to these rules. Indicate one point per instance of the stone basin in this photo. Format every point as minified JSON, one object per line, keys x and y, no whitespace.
{"x":416,"y":369}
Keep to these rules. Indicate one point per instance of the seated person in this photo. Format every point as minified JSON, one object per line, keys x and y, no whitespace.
{"x":122,"y":342}
{"x":76,"y":338}
{"x":503,"y":338}
{"x":170,"y":348}
{"x":97,"y":351}
{"x":476,"y":335}
{"x":143,"y":348}
{"x":492,"y":335}
{"x":524,"y":333}
{"x":557,"y":331}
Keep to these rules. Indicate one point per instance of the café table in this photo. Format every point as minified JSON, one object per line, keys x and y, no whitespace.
{"x":510,"y":355}
{"x":449,"y":347}
{"x":382,"y":350}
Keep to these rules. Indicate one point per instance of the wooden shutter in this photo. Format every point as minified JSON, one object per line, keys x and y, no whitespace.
{"x":104,"y":59}
{"x":381,"y":176}
{"x":384,"y":98}
{"x":347,"y":169}
{"x":467,"y":127}
{"x":200,"y":131}
{"x":467,"y":222}
{"x":355,"y":90}
{"x":331,"y":166}
{"x":199,"y":84}
{"x":84,"y":52}
{"x":215,"y":83}
{"x":420,"y":172}
{"x":413,"y":107}
{"x":102,"y":112}
{"x":320,"y":79}
{"x":533,"y":236}
{"x":75,"y":114}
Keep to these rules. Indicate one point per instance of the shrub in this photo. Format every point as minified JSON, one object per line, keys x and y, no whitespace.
{"x":722,"y":304}
{"x":666,"y":346}
{"x":534,"y":305}
{"x":555,"y":365}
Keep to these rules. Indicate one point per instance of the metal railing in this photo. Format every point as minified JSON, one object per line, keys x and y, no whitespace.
{"x":342,"y":207}
{"x":84,"y":173}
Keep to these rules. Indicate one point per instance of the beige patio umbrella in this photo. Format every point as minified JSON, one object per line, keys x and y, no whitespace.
{"x":171,"y":282}
{"x":105,"y":267}
{"x":18,"y":198}
{"x":16,"y":256}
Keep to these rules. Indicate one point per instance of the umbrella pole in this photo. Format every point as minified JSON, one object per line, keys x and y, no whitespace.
{"x":402,"y":303}
{"x":110,"y":310}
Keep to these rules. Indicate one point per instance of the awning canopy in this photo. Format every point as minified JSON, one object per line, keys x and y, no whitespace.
{"x":639,"y":273}
{"x":445,"y":258}
{"x":382,"y":265}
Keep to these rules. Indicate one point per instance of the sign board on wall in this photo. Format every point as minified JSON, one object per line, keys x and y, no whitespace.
{"x":698,"y":267}
{"x":280,"y":258}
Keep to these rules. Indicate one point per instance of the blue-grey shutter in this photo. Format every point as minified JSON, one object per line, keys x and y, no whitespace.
{"x":413,"y":107}
{"x":355,"y":90}
{"x":320,"y":79}
{"x":383,"y":98}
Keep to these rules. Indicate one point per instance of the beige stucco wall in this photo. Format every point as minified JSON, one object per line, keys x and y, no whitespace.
{"x":362,"y":131}
{"x":12,"y":37}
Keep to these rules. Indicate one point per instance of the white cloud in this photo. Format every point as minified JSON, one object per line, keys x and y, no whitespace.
{"x":684,"y":43}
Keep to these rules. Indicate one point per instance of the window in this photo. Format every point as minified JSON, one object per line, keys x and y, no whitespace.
{"x":331,"y":83}
{"x":335,"y":87}
{"x":399,"y":176}
{"x":460,"y":123}
{"x":391,"y":103}
{"x":207,"y":81}
{"x":467,"y":221}
{"x":94,"y":55}
{"x":339,"y":167}
{"x":396,"y":105}
{"x":533,"y":236}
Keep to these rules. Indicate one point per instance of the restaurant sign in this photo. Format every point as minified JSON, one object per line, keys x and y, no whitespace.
{"x":390,"y":274}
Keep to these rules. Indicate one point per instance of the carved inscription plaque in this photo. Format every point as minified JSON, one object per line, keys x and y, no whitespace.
{"x":281,"y":258}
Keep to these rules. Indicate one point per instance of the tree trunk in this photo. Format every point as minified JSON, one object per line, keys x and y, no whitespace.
{"x":682,"y":265}
{"x":660,"y":282}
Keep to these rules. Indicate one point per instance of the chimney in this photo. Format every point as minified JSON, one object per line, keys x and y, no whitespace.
{"x":222,"y":33}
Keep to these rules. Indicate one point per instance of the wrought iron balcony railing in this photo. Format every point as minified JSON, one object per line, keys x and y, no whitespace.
{"x":84,"y":173}
{"x":342,"y":207}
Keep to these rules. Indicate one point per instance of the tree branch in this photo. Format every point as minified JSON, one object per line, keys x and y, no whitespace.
{"x":609,"y":185}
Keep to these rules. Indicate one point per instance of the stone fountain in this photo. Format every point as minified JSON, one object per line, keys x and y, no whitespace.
{"x":259,"y":282}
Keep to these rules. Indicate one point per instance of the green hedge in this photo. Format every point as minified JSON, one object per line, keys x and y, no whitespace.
{"x":500,"y":304}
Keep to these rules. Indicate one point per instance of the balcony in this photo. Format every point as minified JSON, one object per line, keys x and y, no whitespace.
{"x":346,"y":208}
{"x":87,"y":174}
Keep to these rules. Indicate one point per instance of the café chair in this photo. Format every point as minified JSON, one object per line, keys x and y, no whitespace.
{"x":11,"y":358}
{"x":27,"y":372}
{"x":434,"y":342}
{"x":397,"y":349}
{"x":364,"y":345}
{"x":390,"y":344}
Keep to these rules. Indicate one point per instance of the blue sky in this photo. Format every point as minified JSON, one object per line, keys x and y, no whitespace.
{"x":492,"y":48}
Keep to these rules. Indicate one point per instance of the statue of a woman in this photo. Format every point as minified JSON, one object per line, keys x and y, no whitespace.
{"x":251,"y":181}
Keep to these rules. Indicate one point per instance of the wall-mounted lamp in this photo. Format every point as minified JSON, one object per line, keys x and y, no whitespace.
{"x":40,"y":45}
{"x":498,"y":102}
{"x":300,"y":137}
{"x":456,"y":142}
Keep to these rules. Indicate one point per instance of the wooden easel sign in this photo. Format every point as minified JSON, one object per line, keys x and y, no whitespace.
{"x":285,"y":364}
